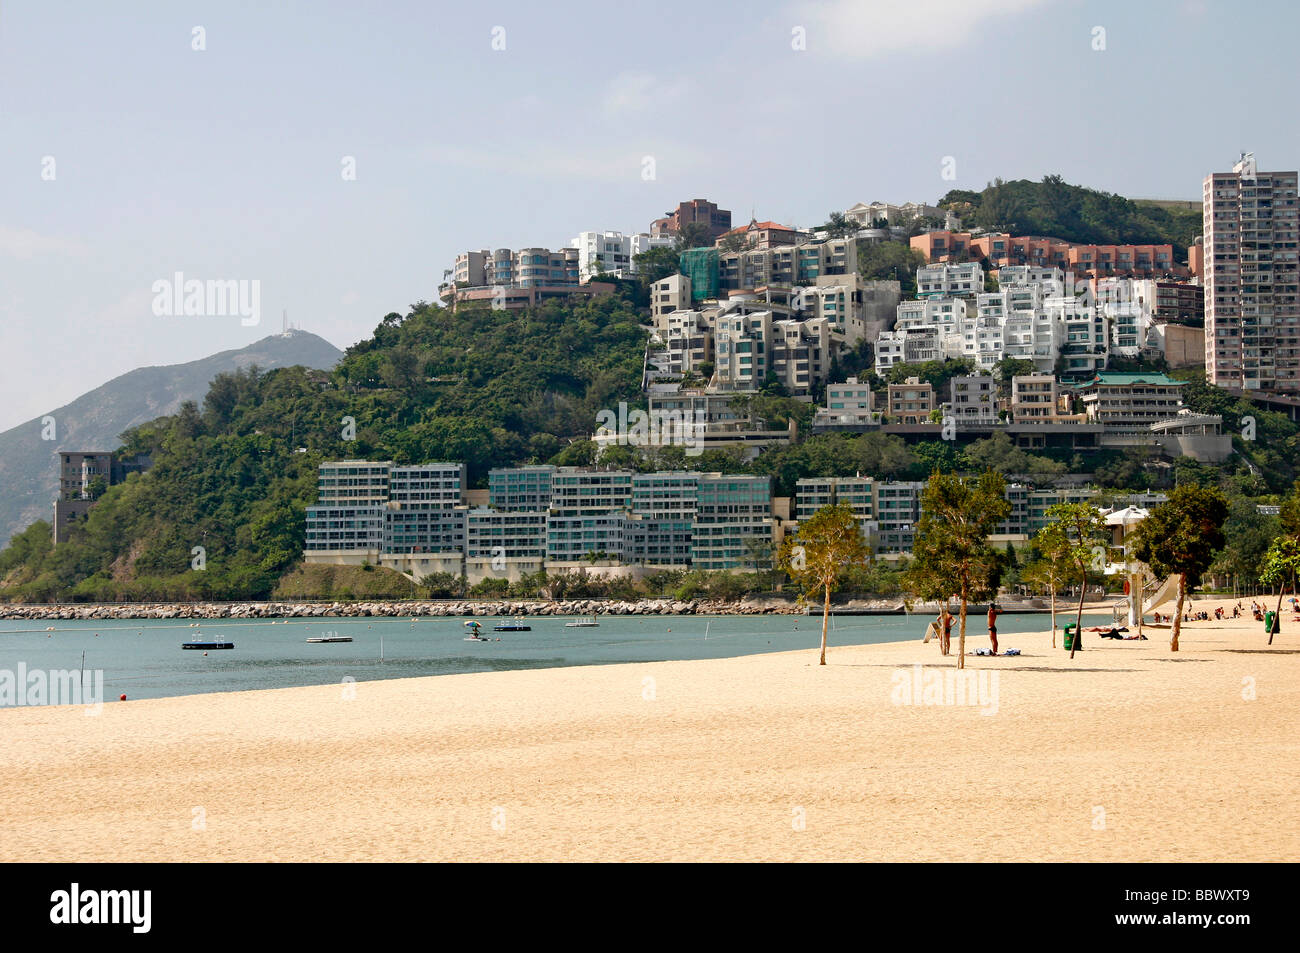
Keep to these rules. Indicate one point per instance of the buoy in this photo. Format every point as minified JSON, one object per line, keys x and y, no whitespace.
{"x":205,"y":654}
{"x":122,"y":697}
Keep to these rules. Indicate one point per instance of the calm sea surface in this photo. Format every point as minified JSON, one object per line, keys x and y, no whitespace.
{"x":144,"y":659}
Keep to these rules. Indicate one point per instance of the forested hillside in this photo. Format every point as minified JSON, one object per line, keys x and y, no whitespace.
{"x":1055,"y":208}
{"x":490,"y":388}
{"x":29,"y":470}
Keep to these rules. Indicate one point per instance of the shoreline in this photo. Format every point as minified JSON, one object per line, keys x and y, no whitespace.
{"x":390,"y":608}
{"x":1117,"y":755}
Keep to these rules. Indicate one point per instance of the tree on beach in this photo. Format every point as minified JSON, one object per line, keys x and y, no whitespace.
{"x":1281,"y":565}
{"x":1046,"y":573}
{"x":1075,"y":537}
{"x":951,"y":554}
{"x":825,"y":546}
{"x":1180,"y":538}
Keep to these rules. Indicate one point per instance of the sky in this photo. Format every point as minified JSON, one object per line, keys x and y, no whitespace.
{"x":340,"y":155}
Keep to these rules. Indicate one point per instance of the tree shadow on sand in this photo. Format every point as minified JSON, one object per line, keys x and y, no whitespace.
{"x":1263,"y":651}
{"x":1044,"y":668}
{"x":947,"y":663}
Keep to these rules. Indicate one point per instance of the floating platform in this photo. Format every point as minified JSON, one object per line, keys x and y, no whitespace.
{"x":207,"y":645}
{"x":898,"y":610}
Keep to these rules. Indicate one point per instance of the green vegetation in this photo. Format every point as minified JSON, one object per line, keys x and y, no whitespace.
{"x":1267,"y":439}
{"x":816,"y":556}
{"x":1180,"y":538}
{"x":1073,"y":213}
{"x":221,"y":513}
{"x":1074,"y":538}
{"x":344,"y":583}
{"x":1281,"y":566}
{"x":498,"y":388}
{"x":936,"y":373}
{"x":951,"y":555}
{"x":896,"y":261}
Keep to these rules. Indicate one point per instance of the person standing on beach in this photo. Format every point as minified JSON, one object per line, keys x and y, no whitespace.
{"x":993,"y":626}
{"x":945,"y":636}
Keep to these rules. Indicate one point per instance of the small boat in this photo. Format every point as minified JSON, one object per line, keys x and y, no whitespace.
{"x":207,"y":645}
{"x":474,"y":635}
{"x":518,"y":625}
{"x":587,"y":622}
{"x":330,"y":638}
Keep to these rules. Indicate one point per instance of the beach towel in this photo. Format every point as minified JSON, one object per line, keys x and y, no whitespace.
{"x":1011,"y":652}
{"x":983,"y":651}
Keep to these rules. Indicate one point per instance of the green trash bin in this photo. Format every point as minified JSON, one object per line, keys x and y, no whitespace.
{"x":1270,"y":621}
{"x":1069,"y":636}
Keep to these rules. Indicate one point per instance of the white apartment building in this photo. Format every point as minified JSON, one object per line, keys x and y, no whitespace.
{"x":1032,"y":336}
{"x":1127,"y":304}
{"x":1084,"y":339}
{"x":947,"y":313}
{"x":868,"y":214}
{"x":964,"y":278}
{"x":801,"y":353}
{"x":847,"y":405}
{"x":670,"y":294}
{"x":682,"y":342}
{"x":973,"y":400}
{"x":741,"y":349}
{"x":1251,"y":277}
{"x":907,"y":346}
{"x":613,"y":253}
{"x":1010,"y":275}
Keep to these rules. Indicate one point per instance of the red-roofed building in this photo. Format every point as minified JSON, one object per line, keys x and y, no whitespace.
{"x":760,"y":235}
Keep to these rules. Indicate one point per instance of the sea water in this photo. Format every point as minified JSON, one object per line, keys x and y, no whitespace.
{"x":144,"y":658}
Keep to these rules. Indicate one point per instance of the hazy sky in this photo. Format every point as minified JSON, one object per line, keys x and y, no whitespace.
{"x":227,"y":162}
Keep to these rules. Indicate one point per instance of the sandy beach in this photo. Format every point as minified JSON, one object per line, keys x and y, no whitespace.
{"x":1126,"y":753}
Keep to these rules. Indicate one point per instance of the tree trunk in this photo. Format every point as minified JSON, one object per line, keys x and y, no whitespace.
{"x":1277,"y":614}
{"x":826,"y":615}
{"x":1178,"y":612}
{"x":1139,"y":605}
{"x":1078,"y":616}
{"x":1277,"y":617}
{"x":961,"y":637}
{"x":1052,"y":588}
